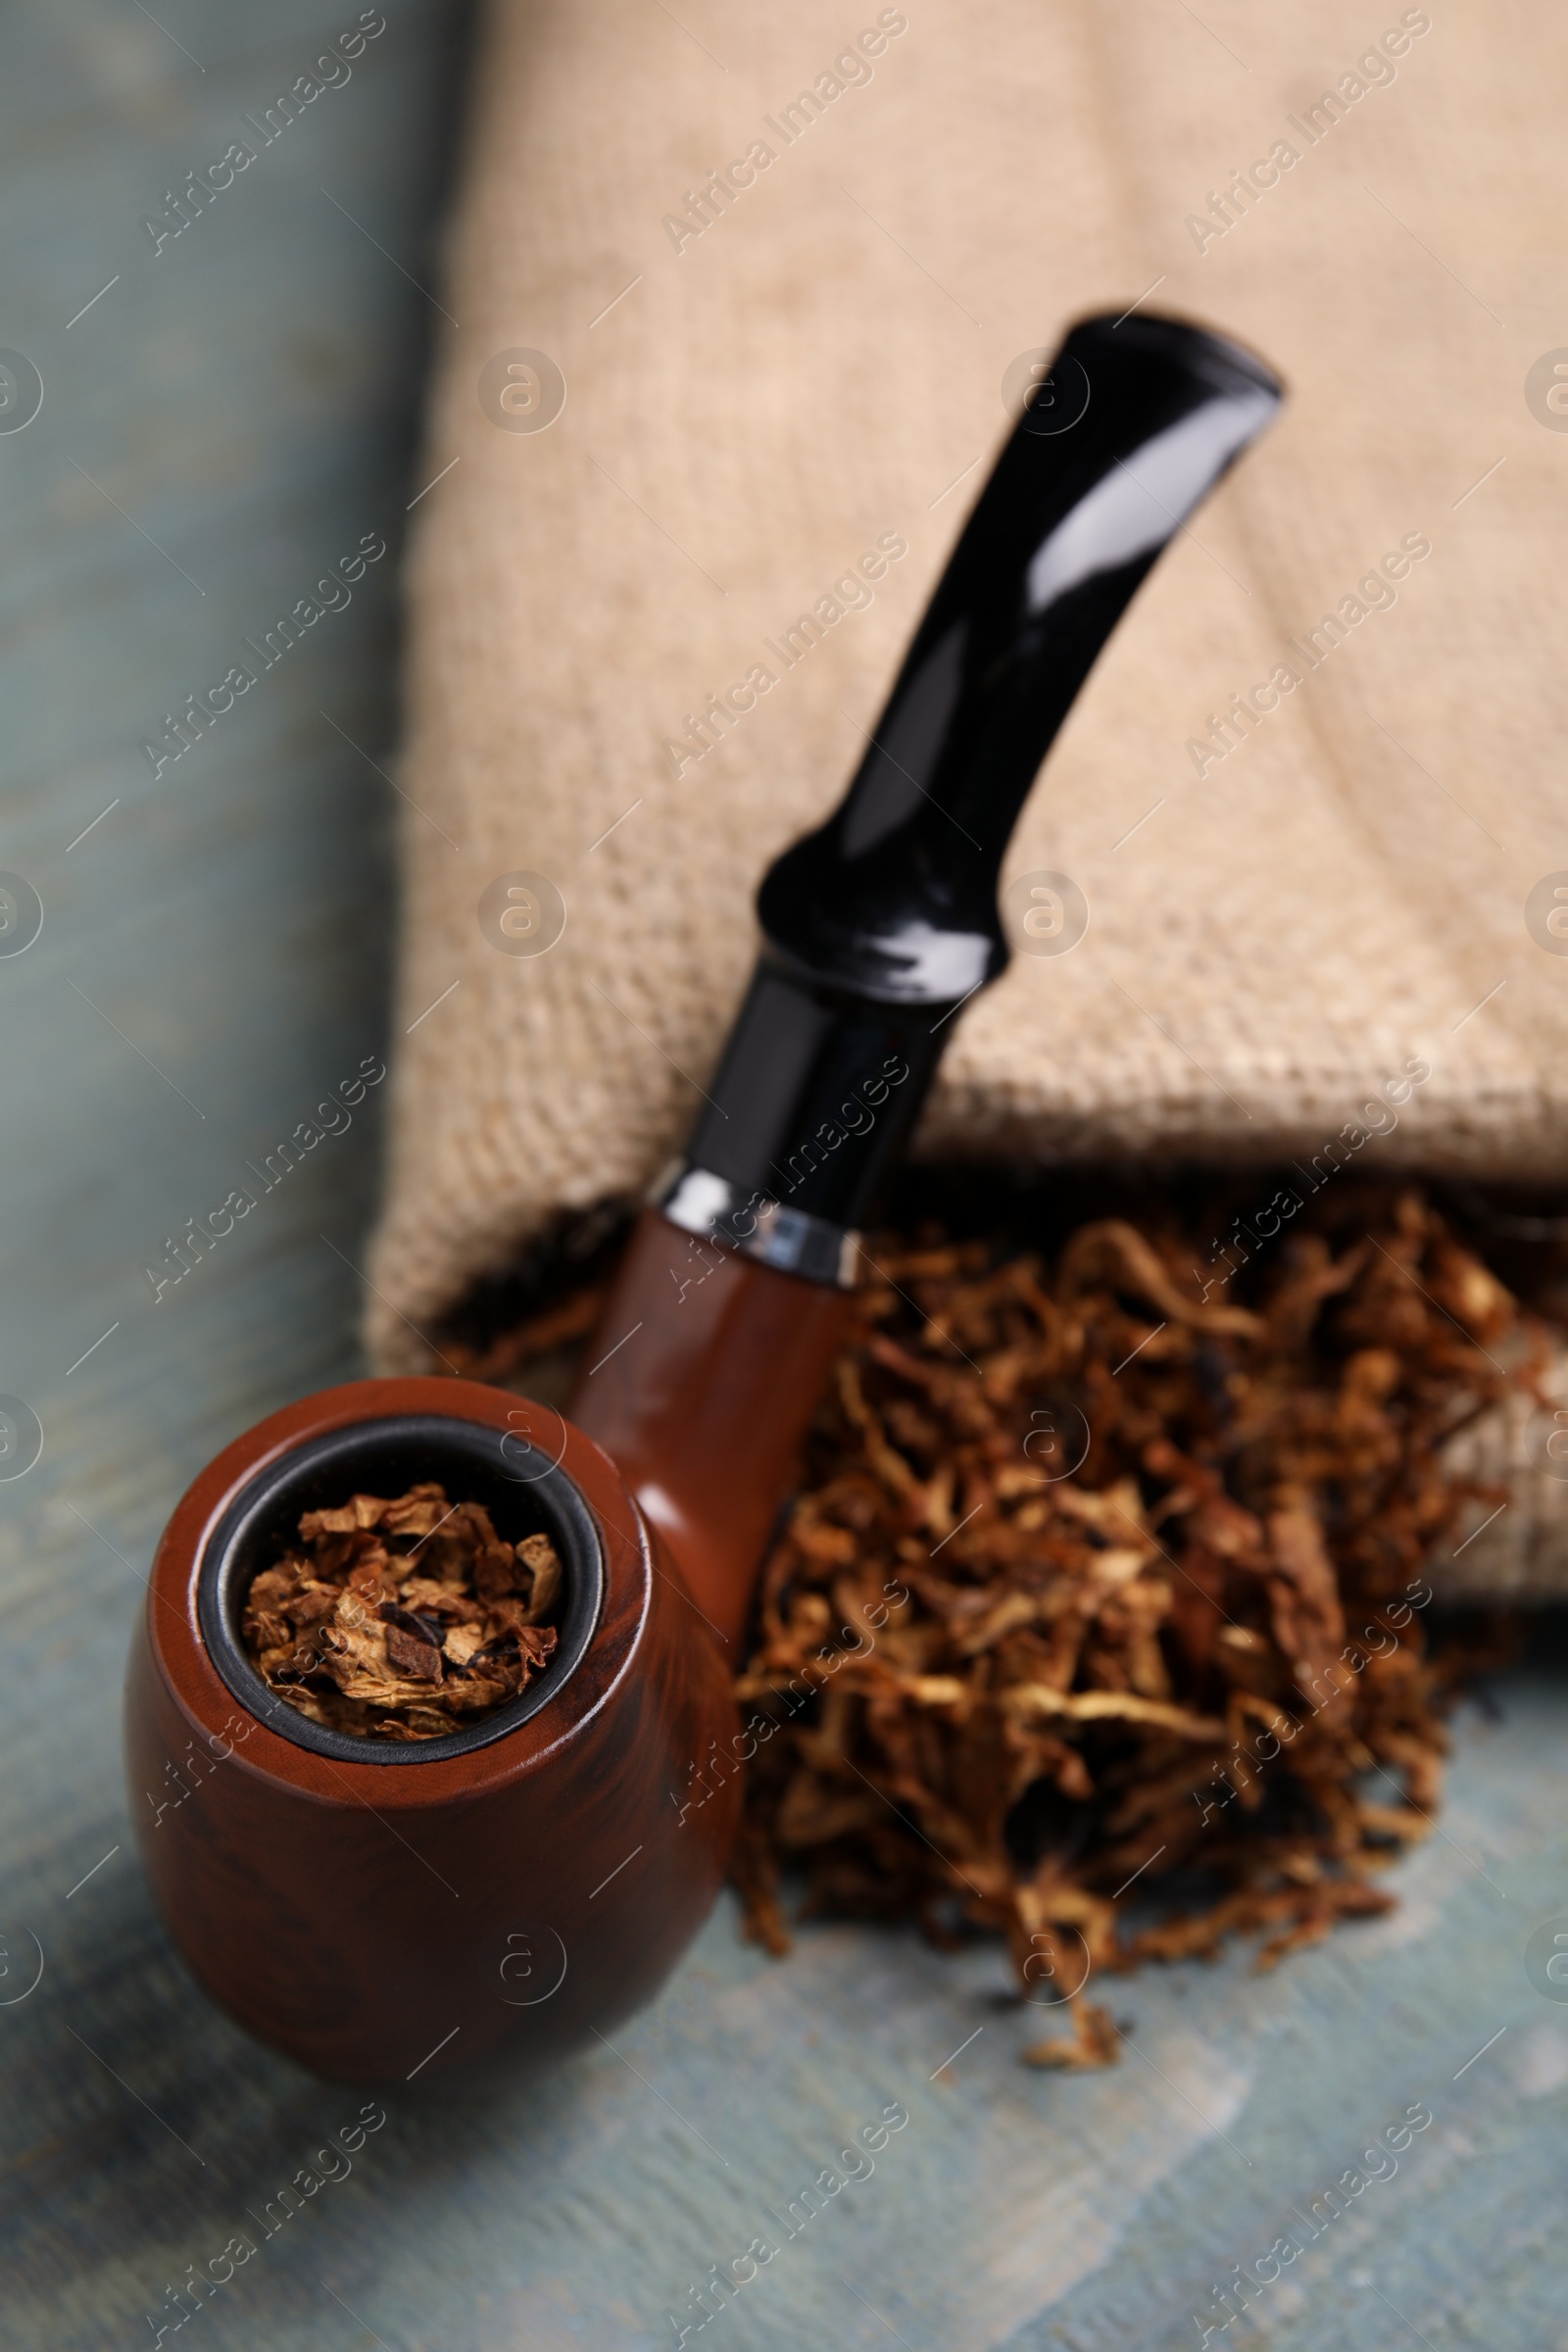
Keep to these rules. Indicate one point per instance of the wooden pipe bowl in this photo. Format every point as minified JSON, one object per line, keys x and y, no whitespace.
{"x":443,"y":1922}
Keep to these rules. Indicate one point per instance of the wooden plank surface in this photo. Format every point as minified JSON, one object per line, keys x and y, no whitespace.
{"x":227,"y":415}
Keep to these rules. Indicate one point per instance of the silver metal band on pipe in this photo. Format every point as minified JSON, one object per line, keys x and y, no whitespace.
{"x":711,"y":1207}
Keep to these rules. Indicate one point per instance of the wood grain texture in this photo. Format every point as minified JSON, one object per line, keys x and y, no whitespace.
{"x":248,"y":398}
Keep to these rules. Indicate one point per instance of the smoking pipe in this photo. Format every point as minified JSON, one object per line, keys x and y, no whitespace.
{"x":732,"y":1297}
{"x":447,"y":1915}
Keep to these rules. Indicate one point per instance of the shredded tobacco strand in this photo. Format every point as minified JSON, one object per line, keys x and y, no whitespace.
{"x":1090,"y":1582}
{"x":403,"y":1619}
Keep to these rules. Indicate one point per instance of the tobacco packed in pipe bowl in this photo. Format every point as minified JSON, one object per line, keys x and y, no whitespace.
{"x":1099,"y":1619}
{"x":403,"y":1619}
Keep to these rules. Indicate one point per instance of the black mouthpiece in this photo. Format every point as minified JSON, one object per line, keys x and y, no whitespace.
{"x":880,"y":924}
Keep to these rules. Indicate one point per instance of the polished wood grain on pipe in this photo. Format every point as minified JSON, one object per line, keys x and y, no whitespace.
{"x":714,"y":1366}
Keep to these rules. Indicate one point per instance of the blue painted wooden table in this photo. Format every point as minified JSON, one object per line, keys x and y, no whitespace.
{"x":226,"y":411}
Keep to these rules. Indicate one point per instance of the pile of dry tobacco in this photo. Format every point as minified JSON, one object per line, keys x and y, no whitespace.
{"x":1162,"y":1562}
{"x":403,"y":1620}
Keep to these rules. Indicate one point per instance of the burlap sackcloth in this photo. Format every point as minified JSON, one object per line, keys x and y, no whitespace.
{"x":766,"y":379}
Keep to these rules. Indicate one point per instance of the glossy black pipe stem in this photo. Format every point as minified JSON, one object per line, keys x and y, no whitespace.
{"x":880,"y":923}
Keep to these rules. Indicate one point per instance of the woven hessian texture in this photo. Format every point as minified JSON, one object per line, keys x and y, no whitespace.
{"x":1274,"y":932}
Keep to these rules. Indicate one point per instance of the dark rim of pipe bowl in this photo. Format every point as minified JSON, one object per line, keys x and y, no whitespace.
{"x":526,"y":1494}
